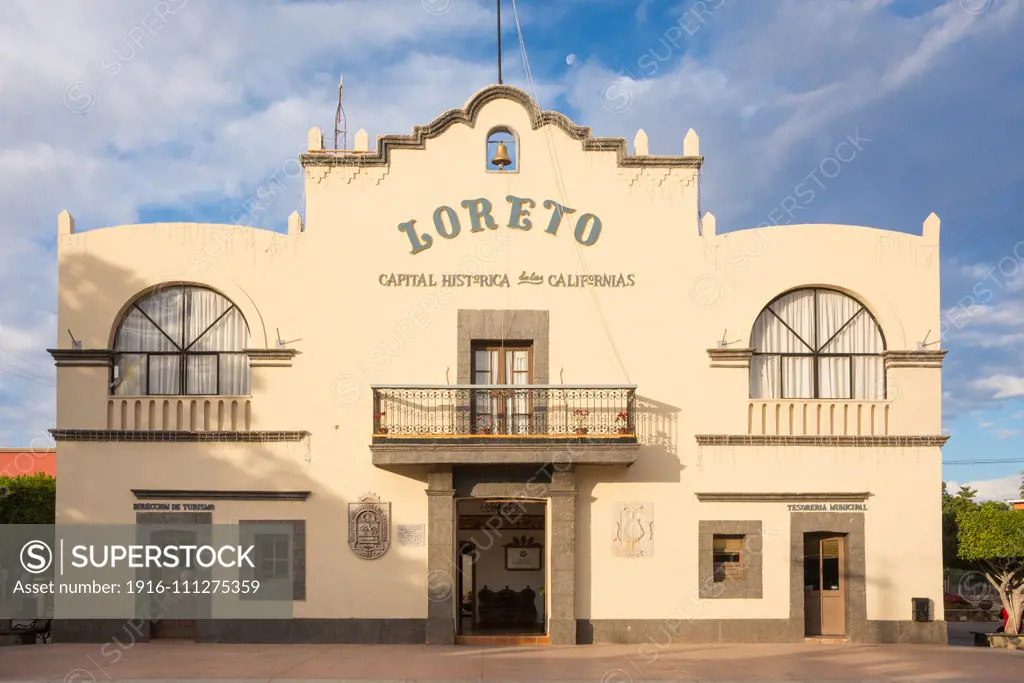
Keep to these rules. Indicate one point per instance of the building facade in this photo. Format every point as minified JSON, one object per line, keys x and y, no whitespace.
{"x":536,"y":400}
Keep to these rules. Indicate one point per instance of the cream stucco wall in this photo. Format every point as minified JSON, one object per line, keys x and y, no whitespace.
{"x":321,"y":286}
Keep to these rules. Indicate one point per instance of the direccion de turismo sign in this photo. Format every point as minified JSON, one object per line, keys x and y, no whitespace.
{"x":448,"y":223}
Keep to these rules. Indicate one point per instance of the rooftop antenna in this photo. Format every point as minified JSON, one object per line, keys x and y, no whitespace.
{"x":340,"y":120}
{"x":498,"y":3}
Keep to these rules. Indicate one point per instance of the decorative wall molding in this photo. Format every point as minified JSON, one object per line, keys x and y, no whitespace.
{"x":811,"y":440}
{"x":468,"y":115}
{"x":914,"y":359}
{"x":82,"y":357}
{"x":137,"y":436}
{"x":198,"y":494}
{"x":833,"y":497}
{"x":271,"y":358}
{"x":730,"y":358}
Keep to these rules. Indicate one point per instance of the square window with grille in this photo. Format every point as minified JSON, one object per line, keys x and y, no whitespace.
{"x":727,"y":558}
{"x":273,"y":559}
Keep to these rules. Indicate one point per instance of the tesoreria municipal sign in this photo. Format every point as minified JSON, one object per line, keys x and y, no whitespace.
{"x":828,"y":507}
{"x":448,"y":223}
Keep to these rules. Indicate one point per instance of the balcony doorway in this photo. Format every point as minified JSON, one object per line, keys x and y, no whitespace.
{"x":502,"y":411}
{"x":501,"y":561}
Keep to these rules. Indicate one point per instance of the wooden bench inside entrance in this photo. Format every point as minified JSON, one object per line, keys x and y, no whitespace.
{"x":31,"y":633}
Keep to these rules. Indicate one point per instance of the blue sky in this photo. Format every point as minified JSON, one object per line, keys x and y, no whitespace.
{"x":133,"y":111}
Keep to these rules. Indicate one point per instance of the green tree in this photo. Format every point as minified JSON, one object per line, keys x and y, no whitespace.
{"x":992,"y":537}
{"x":28,"y":499}
{"x":952,"y":505}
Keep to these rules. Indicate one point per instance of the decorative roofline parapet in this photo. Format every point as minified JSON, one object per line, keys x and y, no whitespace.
{"x":468,"y":115}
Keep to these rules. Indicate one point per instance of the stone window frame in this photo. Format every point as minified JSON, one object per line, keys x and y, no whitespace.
{"x":751,"y":586}
{"x":298,"y":550}
{"x":504,"y":325}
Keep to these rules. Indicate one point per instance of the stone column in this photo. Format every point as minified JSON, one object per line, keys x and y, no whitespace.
{"x":441,"y":583}
{"x":562,"y":493}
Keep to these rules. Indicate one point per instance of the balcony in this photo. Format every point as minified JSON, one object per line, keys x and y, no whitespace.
{"x":472,"y":424}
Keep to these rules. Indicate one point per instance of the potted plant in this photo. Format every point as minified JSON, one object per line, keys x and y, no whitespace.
{"x":579,"y":416}
{"x":377,"y":427}
{"x":622,"y":422}
{"x":483,"y":425}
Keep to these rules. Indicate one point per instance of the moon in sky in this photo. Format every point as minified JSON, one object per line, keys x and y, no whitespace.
{"x":570,"y":59}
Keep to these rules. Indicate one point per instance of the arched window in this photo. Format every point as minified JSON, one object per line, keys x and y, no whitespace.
{"x":497,"y":137}
{"x":817,"y":343}
{"x":181,"y":340}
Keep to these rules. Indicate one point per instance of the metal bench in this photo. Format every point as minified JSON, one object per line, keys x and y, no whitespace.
{"x":31,"y":633}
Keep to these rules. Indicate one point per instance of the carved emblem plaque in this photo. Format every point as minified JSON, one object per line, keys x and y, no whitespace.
{"x":369,"y":527}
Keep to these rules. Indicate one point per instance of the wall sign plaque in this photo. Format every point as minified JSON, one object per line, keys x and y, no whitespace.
{"x":369,"y":527}
{"x":827,"y":507}
{"x":174,"y":507}
{"x":410,"y":534}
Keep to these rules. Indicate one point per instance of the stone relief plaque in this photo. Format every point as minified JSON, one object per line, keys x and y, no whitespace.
{"x":369,"y":527}
{"x":634,"y":530}
{"x":411,"y":534}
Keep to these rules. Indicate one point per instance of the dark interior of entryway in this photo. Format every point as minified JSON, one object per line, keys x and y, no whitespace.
{"x":825,"y":584}
{"x":501,"y":563}
{"x":172,"y":605}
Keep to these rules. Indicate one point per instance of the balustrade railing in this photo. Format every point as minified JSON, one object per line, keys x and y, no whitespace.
{"x":818,"y":417}
{"x":180,"y":413}
{"x":504,"y":411}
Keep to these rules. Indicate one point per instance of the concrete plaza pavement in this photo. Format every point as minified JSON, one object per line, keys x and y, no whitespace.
{"x":168,"y":660}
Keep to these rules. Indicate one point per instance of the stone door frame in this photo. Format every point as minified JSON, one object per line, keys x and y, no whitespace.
{"x":850,"y":525}
{"x":560,"y":493}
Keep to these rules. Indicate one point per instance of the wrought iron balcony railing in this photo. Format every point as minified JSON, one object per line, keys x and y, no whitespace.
{"x":504,"y":411}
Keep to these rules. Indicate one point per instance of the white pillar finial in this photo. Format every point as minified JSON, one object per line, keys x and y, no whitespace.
{"x":691,"y":144}
{"x":640,"y":143}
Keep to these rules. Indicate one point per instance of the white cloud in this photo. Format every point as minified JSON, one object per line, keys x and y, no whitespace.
{"x":195,"y":114}
{"x":1004,"y":386}
{"x":839,"y":58}
{"x":1002,"y":488}
{"x":1005,"y":433}
{"x":986,"y":425}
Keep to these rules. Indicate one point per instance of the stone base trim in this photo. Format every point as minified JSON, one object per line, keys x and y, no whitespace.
{"x":657,"y":632}
{"x":661,"y":632}
{"x":266,"y":631}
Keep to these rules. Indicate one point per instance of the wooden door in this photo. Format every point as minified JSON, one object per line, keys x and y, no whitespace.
{"x":833,"y":586}
{"x":173,"y":626}
{"x":824,"y":585}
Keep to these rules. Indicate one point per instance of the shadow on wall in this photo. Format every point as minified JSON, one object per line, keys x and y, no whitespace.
{"x":394,"y":584}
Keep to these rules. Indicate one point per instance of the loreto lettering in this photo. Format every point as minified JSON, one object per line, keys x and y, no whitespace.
{"x":828,"y":507}
{"x":477,"y":215}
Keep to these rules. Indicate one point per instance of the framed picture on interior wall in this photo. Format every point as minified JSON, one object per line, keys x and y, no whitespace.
{"x":524,"y":555}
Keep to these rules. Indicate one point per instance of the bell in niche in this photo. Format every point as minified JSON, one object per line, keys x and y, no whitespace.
{"x":501,"y":158}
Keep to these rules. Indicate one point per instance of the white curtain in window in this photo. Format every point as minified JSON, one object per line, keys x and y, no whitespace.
{"x":190,"y":325}
{"x":827,"y":335}
{"x":517,"y":371}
